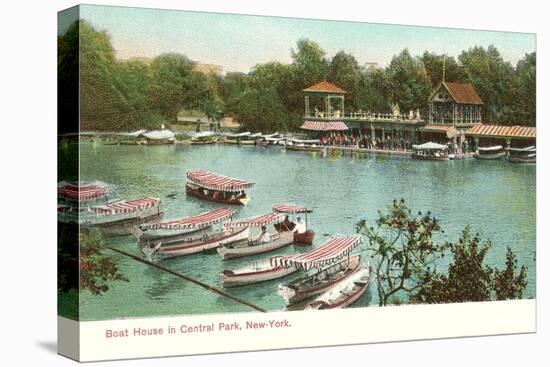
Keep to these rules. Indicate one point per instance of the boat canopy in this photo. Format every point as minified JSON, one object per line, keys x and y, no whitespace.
{"x":430,"y":146}
{"x":213,"y":181}
{"x":258,"y":221}
{"x":531,"y":148}
{"x":490,"y":149}
{"x":300,"y":141}
{"x":239,"y":135}
{"x":256,"y":135}
{"x":270,"y":135}
{"x":204,"y":134}
{"x":84,"y":192}
{"x":193,"y":222}
{"x":324,"y":126}
{"x":124,"y":206}
{"x":290,"y":208}
{"x":334,"y":249}
{"x":159,"y":134}
{"x":134,"y":133}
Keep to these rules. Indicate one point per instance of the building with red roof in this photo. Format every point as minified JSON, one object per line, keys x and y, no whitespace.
{"x":455,"y":103}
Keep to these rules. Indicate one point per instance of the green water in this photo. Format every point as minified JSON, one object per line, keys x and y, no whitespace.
{"x":495,"y":197}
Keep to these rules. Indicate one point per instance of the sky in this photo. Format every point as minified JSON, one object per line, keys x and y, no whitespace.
{"x":238,"y":42}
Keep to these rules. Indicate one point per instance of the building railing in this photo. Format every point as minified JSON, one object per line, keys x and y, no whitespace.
{"x":366,"y":116}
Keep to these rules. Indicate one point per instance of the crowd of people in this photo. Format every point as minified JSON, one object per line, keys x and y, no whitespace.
{"x":366,"y":141}
{"x":389,"y":142}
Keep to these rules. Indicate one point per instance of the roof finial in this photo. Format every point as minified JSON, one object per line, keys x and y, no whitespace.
{"x":443,"y":78}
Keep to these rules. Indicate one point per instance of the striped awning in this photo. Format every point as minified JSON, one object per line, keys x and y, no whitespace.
{"x":324,"y":125}
{"x":258,"y":221}
{"x":498,"y":131}
{"x":125,"y":206}
{"x":328,"y":253}
{"x":193,"y":222}
{"x":290,"y":208}
{"x":217,"y":182}
{"x":83,"y":192}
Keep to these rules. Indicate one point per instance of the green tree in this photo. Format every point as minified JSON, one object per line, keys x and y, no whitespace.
{"x":375,"y":92}
{"x":492,"y":77}
{"x":345,"y":72}
{"x":173,"y":83}
{"x":260,"y":110}
{"x":403,"y":249}
{"x":434,"y":68}
{"x":96,"y":269}
{"x":410,"y":84}
{"x":469,"y":279}
{"x":506,"y":284}
{"x":102,"y":105}
{"x":525,"y":106}
{"x":309,"y":62}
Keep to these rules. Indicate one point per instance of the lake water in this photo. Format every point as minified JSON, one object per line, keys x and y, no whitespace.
{"x":494,"y":197}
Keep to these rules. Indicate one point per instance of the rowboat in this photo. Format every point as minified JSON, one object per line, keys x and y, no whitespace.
{"x":235,"y":138}
{"x":332,"y":261}
{"x":522,"y":155}
{"x":303,"y":145}
{"x":344,"y":293}
{"x":256,"y":246}
{"x":250,"y":139}
{"x":431,"y":152}
{"x":304,"y":288}
{"x":214,"y":187}
{"x":305,"y":238}
{"x":158,"y":137}
{"x":254,"y":273}
{"x":492,"y":152}
{"x":203,"y":138}
{"x":191,"y":243}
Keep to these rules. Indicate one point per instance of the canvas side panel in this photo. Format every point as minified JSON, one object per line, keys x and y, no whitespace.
{"x":67,"y":170}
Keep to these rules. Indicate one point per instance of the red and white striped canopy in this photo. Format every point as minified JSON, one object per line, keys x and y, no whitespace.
{"x":290,"y":208}
{"x":217,"y":182}
{"x":258,"y":221}
{"x":324,"y":125}
{"x":192,"y":222}
{"x":83,"y":192}
{"x":330,"y":252}
{"x":125,"y":206}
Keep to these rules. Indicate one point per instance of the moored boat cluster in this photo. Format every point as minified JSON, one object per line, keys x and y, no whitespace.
{"x":331,"y":276}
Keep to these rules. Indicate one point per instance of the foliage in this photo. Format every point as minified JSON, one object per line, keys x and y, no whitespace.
{"x":406,"y":257}
{"x":132,"y":94}
{"x":493,"y":79}
{"x":433,"y":63}
{"x":96,"y":269}
{"x":469,"y":279}
{"x":409,"y":82}
{"x":403,"y":249}
{"x":506,"y":284}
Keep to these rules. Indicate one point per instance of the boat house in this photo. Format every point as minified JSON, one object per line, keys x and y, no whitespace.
{"x":324,"y":113}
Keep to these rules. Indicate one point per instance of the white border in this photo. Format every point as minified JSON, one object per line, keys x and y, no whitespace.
{"x":28,"y":62}
{"x":280,"y":330}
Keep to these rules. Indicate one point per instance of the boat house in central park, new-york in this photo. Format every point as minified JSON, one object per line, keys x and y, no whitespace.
{"x":454,"y":117}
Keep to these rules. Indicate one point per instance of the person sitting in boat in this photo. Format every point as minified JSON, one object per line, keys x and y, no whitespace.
{"x":241,"y":195}
{"x":300,"y":226}
{"x":287,"y":225}
{"x":263,"y":237}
